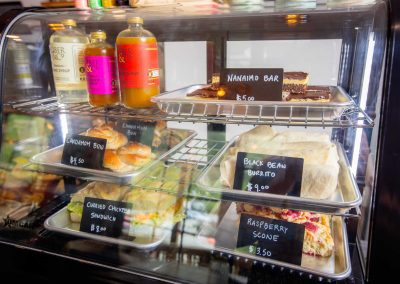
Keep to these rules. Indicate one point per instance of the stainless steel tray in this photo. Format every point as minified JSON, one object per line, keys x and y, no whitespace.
{"x":50,"y":162}
{"x":336,"y":267}
{"x":177,"y":103}
{"x":346,"y":196}
{"x":60,"y":222}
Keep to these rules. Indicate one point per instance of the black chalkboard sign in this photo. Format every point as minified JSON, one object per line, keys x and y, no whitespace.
{"x":106,"y":217}
{"x":83,"y":151}
{"x":269,"y":238}
{"x":270,"y":174}
{"x":137,"y":131}
{"x":252,"y":84}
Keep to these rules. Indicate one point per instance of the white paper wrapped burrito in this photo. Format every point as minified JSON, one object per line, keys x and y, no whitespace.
{"x":320,"y":169}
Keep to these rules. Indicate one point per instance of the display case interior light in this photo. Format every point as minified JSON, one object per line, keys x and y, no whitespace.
{"x":56,"y":26}
{"x":293,"y":19}
{"x":363,"y":100}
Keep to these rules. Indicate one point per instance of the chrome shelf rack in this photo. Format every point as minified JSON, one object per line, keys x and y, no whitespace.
{"x":276,"y":114}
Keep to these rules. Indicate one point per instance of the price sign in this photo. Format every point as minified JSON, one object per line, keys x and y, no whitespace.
{"x":270,"y":238}
{"x":105,"y":217}
{"x":267,"y":173}
{"x":83,"y":151}
{"x":252,"y":84}
{"x":137,"y":131}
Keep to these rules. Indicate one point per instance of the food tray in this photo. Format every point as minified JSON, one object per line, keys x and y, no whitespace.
{"x":347,"y":194}
{"x":60,"y":222}
{"x":50,"y":162}
{"x":336,"y":267}
{"x":177,"y":103}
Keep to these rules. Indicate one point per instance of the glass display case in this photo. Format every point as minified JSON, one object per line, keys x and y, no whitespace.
{"x":224,"y":142}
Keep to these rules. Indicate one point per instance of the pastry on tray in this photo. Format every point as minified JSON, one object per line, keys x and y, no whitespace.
{"x":114,"y":138}
{"x":320,"y":94}
{"x":218,"y":91}
{"x":295,"y":89}
{"x":295,"y":82}
{"x":318,"y":240}
{"x":320,"y":169}
{"x":121,"y":156}
{"x":113,"y":162}
{"x":135,"y":154}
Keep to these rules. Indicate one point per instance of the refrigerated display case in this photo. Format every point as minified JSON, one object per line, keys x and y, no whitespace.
{"x":287,"y":174}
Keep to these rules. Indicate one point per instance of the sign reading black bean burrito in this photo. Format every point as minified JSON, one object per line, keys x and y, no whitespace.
{"x":137,"y":131}
{"x":269,"y":174}
{"x":83,"y":151}
{"x":252,"y":84}
{"x":106,"y":217}
{"x":269,"y":238}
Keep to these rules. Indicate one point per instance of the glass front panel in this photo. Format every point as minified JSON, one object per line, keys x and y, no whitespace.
{"x":199,"y":146}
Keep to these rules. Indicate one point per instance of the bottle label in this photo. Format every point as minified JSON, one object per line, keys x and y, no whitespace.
{"x":100,"y":75}
{"x":138,"y":65}
{"x":68,"y":62}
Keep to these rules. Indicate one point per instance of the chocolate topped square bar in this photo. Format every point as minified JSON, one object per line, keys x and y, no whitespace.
{"x":295,"y":82}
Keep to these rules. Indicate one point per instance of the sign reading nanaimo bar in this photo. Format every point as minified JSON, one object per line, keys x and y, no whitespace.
{"x":252,"y":84}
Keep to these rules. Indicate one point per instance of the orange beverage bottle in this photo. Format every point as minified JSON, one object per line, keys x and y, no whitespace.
{"x":100,"y":71}
{"x":137,"y":57}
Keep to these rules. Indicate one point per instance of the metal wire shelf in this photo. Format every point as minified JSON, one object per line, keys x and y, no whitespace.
{"x":185,"y":112}
{"x":180,"y":169}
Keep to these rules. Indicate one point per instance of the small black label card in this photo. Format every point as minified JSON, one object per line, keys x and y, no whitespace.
{"x":105,"y":217}
{"x":83,"y":151}
{"x":269,"y":238}
{"x":269,"y":174}
{"x":252,"y":84}
{"x":137,"y":131}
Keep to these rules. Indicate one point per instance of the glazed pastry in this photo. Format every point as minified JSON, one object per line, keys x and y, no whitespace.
{"x":113,"y":162}
{"x":317,"y":235}
{"x":135,"y":154}
{"x":295,"y":82}
{"x":114,"y":138}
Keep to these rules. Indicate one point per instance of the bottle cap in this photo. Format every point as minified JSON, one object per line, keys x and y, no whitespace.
{"x":135,"y":20}
{"x":68,"y":22}
{"x":98,"y":35}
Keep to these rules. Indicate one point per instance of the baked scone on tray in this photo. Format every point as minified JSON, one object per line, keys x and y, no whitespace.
{"x":318,"y":239}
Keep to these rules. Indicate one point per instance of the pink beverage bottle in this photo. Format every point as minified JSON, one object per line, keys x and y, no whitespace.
{"x":81,"y":4}
{"x":100,"y":71}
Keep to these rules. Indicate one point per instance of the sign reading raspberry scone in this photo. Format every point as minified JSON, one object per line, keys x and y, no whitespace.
{"x":269,"y":238}
{"x":251,"y":84}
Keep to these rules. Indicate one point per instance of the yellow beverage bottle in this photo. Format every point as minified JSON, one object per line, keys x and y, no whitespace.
{"x":137,"y":58}
{"x":66,"y":50}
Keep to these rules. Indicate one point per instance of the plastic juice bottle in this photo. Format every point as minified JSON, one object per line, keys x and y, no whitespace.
{"x":66,"y":50}
{"x":137,"y":57}
{"x":100,"y":71}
